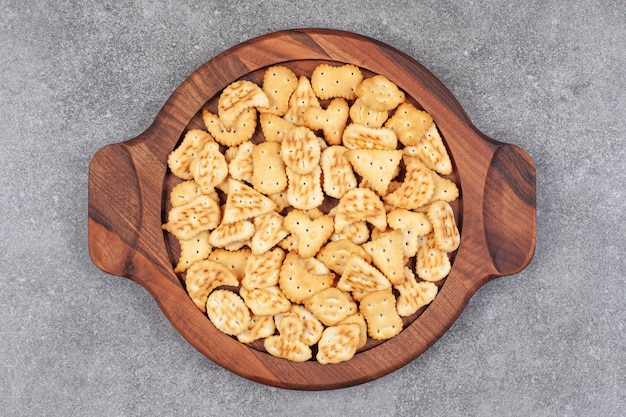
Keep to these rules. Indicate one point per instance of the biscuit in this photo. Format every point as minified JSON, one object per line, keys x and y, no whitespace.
{"x":186,"y":221}
{"x":233,"y":260}
{"x":179,"y":160}
{"x":262,"y":270}
{"x":300,"y":150}
{"x":358,"y":275}
{"x":244,"y":202}
{"x":209,"y":167}
{"x":304,"y":191}
{"x":330,"y":306}
{"x":297,"y":283}
{"x":313,"y":328}
{"x":241,"y":131}
{"x":432,"y":264}
{"x":236,"y":98}
{"x":287,"y":343}
{"x":228,"y":312}
{"x":417,"y":188}
{"x":379,"y":310}
{"x":203,"y":277}
{"x":269,"y":176}
{"x":380,"y":93}
{"x":269,"y":231}
{"x":232,"y":235}
{"x":413,"y":295}
{"x":241,"y":165}
{"x":431,"y":150}
{"x":267,"y":301}
{"x":311,"y":234}
{"x":359,"y":320}
{"x":279,"y":82}
{"x":338,"y":343}
{"x":378,"y":167}
{"x":338,"y":176}
{"x":258,"y":328}
{"x":357,"y":205}
{"x":184,"y":192}
{"x":357,"y":233}
{"x":331,"y":121}
{"x":387,"y":255}
{"x":330,"y":81}
{"x":301,"y":99}
{"x":274,"y":128}
{"x":409,"y":123}
{"x":363,"y":115}
{"x":356,"y":136}
{"x":412,"y":225}
{"x":195,"y":249}
{"x":336,"y":255}
{"x":446,"y":233}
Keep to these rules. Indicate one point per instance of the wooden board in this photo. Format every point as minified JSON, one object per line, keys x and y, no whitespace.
{"x":128,"y":198}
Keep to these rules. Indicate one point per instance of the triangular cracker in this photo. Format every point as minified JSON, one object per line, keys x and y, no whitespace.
{"x":301,"y":99}
{"x":378,"y":167}
{"x":387,"y":254}
{"x":244,"y":202}
{"x":361,"y":276}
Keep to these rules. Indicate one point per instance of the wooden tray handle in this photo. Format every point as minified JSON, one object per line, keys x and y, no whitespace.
{"x":114,"y":209}
{"x":510,"y":233}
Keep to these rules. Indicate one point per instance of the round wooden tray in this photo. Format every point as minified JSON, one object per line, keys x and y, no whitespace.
{"x":128,"y":184}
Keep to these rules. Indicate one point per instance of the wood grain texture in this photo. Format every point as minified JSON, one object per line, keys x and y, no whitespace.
{"x":129,"y":183}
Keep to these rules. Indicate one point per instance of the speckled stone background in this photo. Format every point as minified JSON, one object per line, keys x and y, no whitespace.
{"x":547,"y":76}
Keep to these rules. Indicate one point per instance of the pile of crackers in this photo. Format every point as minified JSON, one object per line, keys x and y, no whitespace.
{"x":303,"y":239}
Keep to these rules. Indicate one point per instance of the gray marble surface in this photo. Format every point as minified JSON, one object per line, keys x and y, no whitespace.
{"x":548,"y":76}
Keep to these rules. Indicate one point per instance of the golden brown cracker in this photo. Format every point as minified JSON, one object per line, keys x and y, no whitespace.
{"x":311,"y":234}
{"x":241,"y":166}
{"x":417,"y":188}
{"x":203,"y":277}
{"x":228,"y":312}
{"x":432,"y":264}
{"x":179,"y":160}
{"x":338,"y":176}
{"x":241,"y":131}
{"x":233,"y":260}
{"x":356,"y":136}
{"x":209,"y":167}
{"x":387,"y":255}
{"x":357,"y":205}
{"x":330,"y":306}
{"x":279,"y":82}
{"x":244,"y":202}
{"x":379,"y":310}
{"x":409,"y":123}
{"x":301,"y":99}
{"x":338,"y":343}
{"x":258,"y":328}
{"x":287,"y":343}
{"x":330,"y":81}
{"x":297,"y":283}
{"x":188,"y":220}
{"x":232,"y":235}
{"x":238,"y":97}
{"x":262,"y":270}
{"x":380,"y":93}
{"x":304,"y":191}
{"x":268,"y":301}
{"x":446,"y":233}
{"x":378,"y":167}
{"x":269,"y":176}
{"x":269,"y":231}
{"x":195,"y":249}
{"x":413,"y":295}
{"x":300,"y":150}
{"x":336,"y":255}
{"x":184,"y":192}
{"x":363,"y":115}
{"x":331,"y":121}
{"x":274,"y":128}
{"x":361,"y":276}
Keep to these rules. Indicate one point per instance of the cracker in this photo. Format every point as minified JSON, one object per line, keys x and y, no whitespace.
{"x":238,"y":97}
{"x":304,"y":191}
{"x":313,"y":328}
{"x":432,"y":264}
{"x":431,"y":150}
{"x":287,"y":343}
{"x":417,"y":188}
{"x":279,"y":82}
{"x":387,"y":255}
{"x":379,"y":310}
{"x":336,"y":255}
{"x":338,"y":343}
{"x":357,"y":205}
{"x":331,"y":305}
{"x":269,"y":176}
{"x":363,"y":115}
{"x":311,"y":234}
{"x":289,"y":243}
{"x":274,"y":127}
{"x":330,"y":81}
{"x":378,"y":167}
{"x":297,"y":283}
{"x":195,"y":249}
{"x":232,"y":235}
{"x":228,"y":312}
{"x":179,"y":160}
{"x":209,"y":167}
{"x":184,"y":192}
{"x":445,"y":189}
{"x":412,"y":225}
{"x":258,"y":328}
{"x":300,"y":150}
{"x":361,"y":276}
{"x":413,"y":295}
{"x":356,"y":136}
{"x":446,"y":233}
{"x":380,"y":93}
{"x":241,"y":165}
{"x":186,"y":221}
{"x":262,"y":270}
{"x":331,"y":121}
{"x":203,"y":277}
{"x":269,"y":231}
{"x":241,"y":131}
{"x":244,"y":202}
{"x":338,"y":176}
{"x":233,"y":260}
{"x":267,"y":301}
{"x":359,"y":320}
{"x":301,"y":99}
{"x":280,"y":199}
{"x":409,"y":123}
{"x":357,"y":233}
